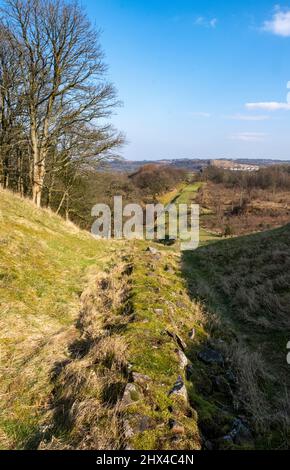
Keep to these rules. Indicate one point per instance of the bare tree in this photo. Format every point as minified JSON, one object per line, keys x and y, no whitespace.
{"x":63,"y":78}
{"x":11,"y":132}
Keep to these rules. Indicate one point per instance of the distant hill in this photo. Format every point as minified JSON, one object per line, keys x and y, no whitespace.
{"x":190,"y":164}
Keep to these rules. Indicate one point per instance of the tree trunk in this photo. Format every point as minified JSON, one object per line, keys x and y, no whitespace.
{"x":38,"y":166}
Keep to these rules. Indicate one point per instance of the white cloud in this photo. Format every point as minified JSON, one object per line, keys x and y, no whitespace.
{"x":213,"y":22}
{"x":248,"y":117}
{"x":200,"y":114}
{"x":269,"y":106}
{"x":206,"y":22}
{"x":249,"y":136}
{"x":279,"y":24}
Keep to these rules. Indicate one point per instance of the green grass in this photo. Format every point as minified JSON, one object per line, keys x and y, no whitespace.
{"x":186,"y":194}
{"x":157,"y":284}
{"x":167,"y":198}
{"x":44,"y":263}
{"x":234,"y":290}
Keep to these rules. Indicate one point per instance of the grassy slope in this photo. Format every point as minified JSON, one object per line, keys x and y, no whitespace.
{"x":126,"y":333}
{"x":43,"y":265}
{"x":40,"y":301}
{"x":245,"y":286}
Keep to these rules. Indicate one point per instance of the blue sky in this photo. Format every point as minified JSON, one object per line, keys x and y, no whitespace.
{"x":198,"y":78}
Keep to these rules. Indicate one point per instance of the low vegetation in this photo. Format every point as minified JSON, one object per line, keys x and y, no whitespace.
{"x":238,"y":203}
{"x":244,"y":285}
{"x":105,"y":344}
{"x":43,"y":269}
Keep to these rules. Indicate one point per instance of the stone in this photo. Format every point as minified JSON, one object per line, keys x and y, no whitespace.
{"x":144,"y":424}
{"x":210,"y":356}
{"x":183,"y":361}
{"x":189,"y":370}
{"x":225,"y":443}
{"x":140,"y":379}
{"x":128,"y":431}
{"x":240,"y":433}
{"x":180,"y":304}
{"x":176,"y":427}
{"x":192,"y":334}
{"x":169,"y":269}
{"x":177,"y":339}
{"x":131,"y":395}
{"x":158,"y":311}
{"x":176,"y":439}
{"x":179,"y":389}
{"x":231,"y":377}
{"x":137,"y":424}
{"x":152,"y":250}
{"x":208,"y":445}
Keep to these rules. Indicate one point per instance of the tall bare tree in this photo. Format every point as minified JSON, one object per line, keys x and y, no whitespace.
{"x":62,"y":72}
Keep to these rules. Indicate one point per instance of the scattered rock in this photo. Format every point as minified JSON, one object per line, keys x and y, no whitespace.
{"x":176,"y":439}
{"x":158,"y":311}
{"x":183,"y":361}
{"x":192,"y":334}
{"x":176,"y":427}
{"x":140,"y":379}
{"x":144,"y":424}
{"x":177,"y":339}
{"x":131,"y":395}
{"x":231,"y":376}
{"x":208,"y":445}
{"x":179,"y":389}
{"x":135,"y":425}
{"x":128,"y":431}
{"x":240,"y":433}
{"x":224,"y":443}
{"x":180,"y":304}
{"x":168,"y":269}
{"x":211,"y":356}
{"x":128,"y":270}
{"x":189,"y":370}
{"x":152,"y":250}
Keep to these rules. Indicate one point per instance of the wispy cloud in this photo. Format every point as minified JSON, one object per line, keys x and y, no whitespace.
{"x":248,"y":117}
{"x":206,"y":22}
{"x":249,"y":136}
{"x":200,"y":114}
{"x":269,"y":106}
{"x":279,"y":24}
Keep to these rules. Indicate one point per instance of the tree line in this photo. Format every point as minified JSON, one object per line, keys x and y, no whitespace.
{"x":55,"y":100}
{"x":143,"y":187}
{"x":273,"y":177}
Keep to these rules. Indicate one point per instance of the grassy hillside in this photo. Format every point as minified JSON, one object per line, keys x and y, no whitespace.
{"x":129,"y":345}
{"x":244,"y":284}
{"x":81,"y":323}
{"x":43,"y":266}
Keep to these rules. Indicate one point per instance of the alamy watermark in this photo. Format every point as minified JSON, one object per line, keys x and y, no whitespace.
{"x":154,"y":222}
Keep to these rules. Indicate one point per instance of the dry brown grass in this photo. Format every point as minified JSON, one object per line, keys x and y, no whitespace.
{"x":245,"y":286}
{"x":43,"y":267}
{"x":88,"y":387}
{"x":263,"y":209}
